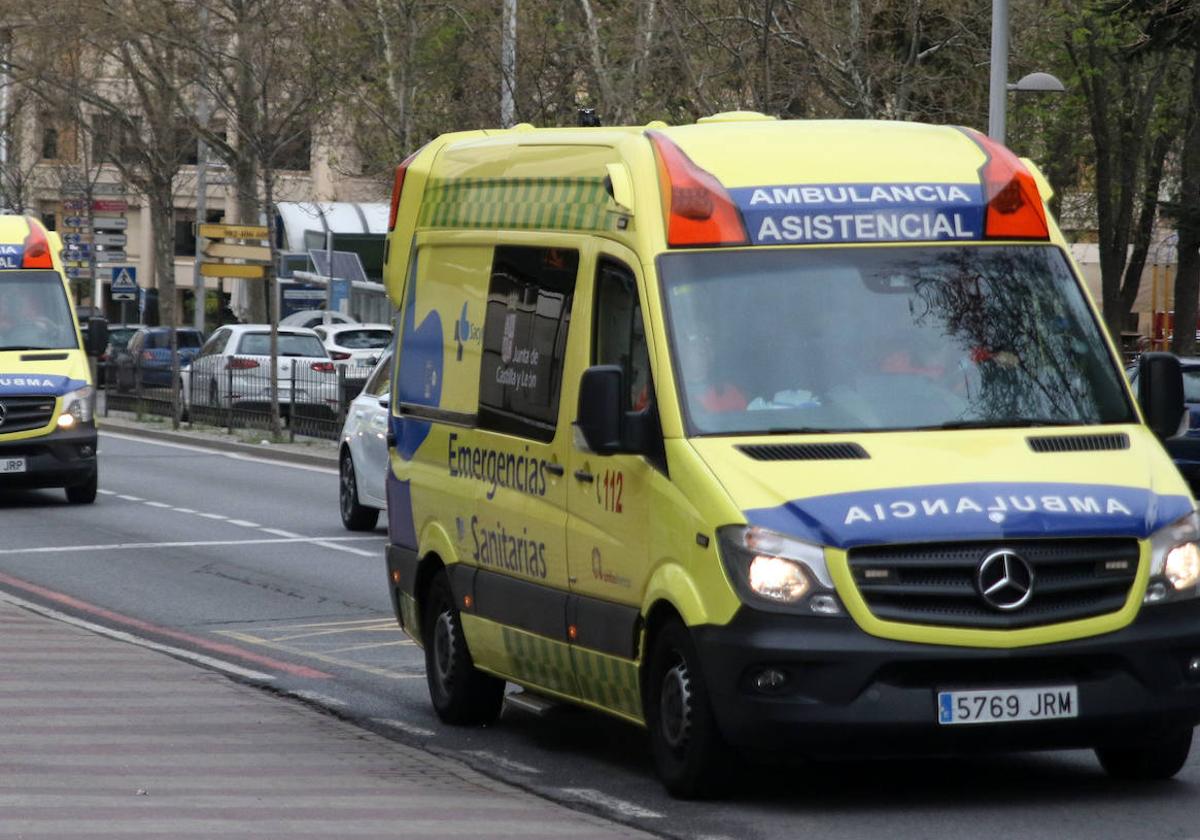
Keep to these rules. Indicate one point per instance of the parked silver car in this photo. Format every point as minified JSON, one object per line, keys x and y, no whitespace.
{"x":363,"y":461}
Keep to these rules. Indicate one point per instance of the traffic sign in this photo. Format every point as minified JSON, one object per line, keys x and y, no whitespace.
{"x":75,"y":204}
{"x":115,"y":240}
{"x":213,"y":231}
{"x":111,"y":257}
{"x":124,"y":284}
{"x":70,"y":239}
{"x":228,"y":251}
{"x":78,"y":252}
{"x":108,"y":189}
{"x":249,"y":272}
{"x":79,"y":273}
{"x":110,"y":206}
{"x":75,"y":221}
{"x":109,"y":222}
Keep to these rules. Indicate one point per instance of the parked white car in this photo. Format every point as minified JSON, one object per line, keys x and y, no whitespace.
{"x":232,"y":370}
{"x":312,"y":317}
{"x":363,"y":461}
{"x":355,"y":345}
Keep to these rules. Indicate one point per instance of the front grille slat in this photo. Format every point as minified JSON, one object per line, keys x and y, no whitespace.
{"x":21,"y":414}
{"x":936,"y":583}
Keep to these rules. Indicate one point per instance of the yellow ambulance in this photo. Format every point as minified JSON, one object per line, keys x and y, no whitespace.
{"x":797,"y":436}
{"x":47,"y":428}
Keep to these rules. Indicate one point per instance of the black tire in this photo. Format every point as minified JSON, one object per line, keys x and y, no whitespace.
{"x":83,"y":494}
{"x":461,"y":694}
{"x":355,"y":517}
{"x":691,"y":757}
{"x":1152,"y":759}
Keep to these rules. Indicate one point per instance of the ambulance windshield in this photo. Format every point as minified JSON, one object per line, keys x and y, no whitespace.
{"x":868,"y":339}
{"x":34,"y":312}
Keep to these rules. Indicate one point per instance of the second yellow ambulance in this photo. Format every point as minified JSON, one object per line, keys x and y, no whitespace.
{"x":786,"y":435}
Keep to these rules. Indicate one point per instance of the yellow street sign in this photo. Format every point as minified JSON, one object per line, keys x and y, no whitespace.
{"x":227,"y":251}
{"x":249,"y":272}
{"x":212,"y":231}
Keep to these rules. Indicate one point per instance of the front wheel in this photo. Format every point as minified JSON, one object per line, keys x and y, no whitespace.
{"x":689,"y":753}
{"x":461,"y":693}
{"x":355,"y":516}
{"x":1151,"y":759}
{"x":84,"y":494}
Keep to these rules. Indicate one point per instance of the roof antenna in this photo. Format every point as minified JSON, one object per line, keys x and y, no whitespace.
{"x":587,"y":118}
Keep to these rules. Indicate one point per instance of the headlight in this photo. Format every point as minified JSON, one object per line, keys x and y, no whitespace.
{"x":1174,"y":561}
{"x":770,"y":569}
{"x":76,"y":408}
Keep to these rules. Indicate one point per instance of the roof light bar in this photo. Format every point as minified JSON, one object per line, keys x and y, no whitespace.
{"x":37,"y":248}
{"x":398,"y":187}
{"x":697,"y":210}
{"x":1014,"y":207}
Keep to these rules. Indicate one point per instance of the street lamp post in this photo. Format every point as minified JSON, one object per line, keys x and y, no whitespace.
{"x":999,"y":87}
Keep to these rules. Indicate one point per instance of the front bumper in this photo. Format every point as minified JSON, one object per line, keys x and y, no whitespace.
{"x":848,"y":692}
{"x":58,"y":459}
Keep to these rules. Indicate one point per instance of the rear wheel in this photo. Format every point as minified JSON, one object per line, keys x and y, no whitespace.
{"x":355,"y":517}
{"x":461,"y":694}
{"x":83,"y":494}
{"x":689,"y":753}
{"x":1147,"y":760}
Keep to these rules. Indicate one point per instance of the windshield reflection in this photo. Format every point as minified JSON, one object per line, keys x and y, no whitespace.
{"x":34,"y":312}
{"x":870,"y":339}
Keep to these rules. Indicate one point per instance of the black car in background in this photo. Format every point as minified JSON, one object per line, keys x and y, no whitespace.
{"x":1185,"y":449}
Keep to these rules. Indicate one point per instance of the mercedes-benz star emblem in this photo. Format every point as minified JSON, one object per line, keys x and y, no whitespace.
{"x":1005,"y":580}
{"x":3,"y":413}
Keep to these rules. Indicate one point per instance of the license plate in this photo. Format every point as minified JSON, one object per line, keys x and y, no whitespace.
{"x":1003,"y":705}
{"x":12,"y":465}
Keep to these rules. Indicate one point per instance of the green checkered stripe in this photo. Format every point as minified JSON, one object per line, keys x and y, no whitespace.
{"x":408,"y":616}
{"x":606,"y":680}
{"x":517,"y":204}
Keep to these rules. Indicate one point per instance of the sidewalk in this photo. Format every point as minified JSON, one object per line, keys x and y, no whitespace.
{"x":101,"y":738}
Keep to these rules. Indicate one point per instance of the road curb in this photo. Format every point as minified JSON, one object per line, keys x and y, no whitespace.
{"x":274,"y":453}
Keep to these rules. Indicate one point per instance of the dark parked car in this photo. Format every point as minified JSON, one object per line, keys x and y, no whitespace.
{"x":148,"y":356}
{"x":1185,"y":449}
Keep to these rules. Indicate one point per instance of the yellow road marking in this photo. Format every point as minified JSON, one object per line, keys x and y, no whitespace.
{"x":405,"y":642}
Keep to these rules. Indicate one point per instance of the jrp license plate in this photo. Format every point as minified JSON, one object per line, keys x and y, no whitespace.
{"x":1002,"y":705}
{"x":12,"y":465}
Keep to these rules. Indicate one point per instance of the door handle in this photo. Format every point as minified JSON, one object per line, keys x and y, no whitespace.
{"x":584,"y":475}
{"x":555,"y":469}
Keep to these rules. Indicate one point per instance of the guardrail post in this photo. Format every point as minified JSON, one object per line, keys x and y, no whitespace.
{"x":341,"y":399}
{"x":229,"y":399}
{"x":108,"y":386}
{"x":137,"y":385}
{"x":292,"y":406}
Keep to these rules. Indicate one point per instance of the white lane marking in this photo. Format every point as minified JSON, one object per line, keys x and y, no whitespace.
{"x":236,"y":456}
{"x":188,"y":544}
{"x":611,"y":803}
{"x":405,"y":727}
{"x":182,"y":510}
{"x":213,"y":516}
{"x":107,"y":492}
{"x":279,"y":532}
{"x":501,"y":762}
{"x":157,"y":504}
{"x":121,"y":635}
{"x":245,"y":523}
{"x":347,"y":549}
{"x":130,"y":498}
{"x":315,"y":697}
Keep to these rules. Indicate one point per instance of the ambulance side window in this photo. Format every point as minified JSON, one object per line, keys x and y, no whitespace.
{"x":619,"y":334}
{"x":525,"y":339}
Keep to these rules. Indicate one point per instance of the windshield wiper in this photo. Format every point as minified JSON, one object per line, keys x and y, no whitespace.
{"x":1007,"y":423}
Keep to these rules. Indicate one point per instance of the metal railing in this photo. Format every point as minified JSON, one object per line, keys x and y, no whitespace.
{"x":236,"y":394}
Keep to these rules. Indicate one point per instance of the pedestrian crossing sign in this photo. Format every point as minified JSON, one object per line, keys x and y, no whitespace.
{"x":124,"y":283}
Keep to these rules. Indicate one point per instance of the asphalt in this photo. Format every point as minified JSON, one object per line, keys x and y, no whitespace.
{"x":105,"y":736}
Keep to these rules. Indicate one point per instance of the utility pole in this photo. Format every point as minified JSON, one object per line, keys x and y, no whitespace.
{"x":998,"y":89}
{"x":203,"y":114}
{"x":508,"y":64}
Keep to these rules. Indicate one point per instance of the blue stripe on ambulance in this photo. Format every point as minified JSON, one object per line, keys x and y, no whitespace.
{"x":418,"y":382}
{"x":973,"y":511}
{"x":11,"y":256}
{"x":37,"y":384}
{"x":843,"y":213}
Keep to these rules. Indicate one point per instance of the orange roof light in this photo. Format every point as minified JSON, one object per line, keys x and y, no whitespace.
{"x":1014,"y":207}
{"x":696,"y":208}
{"x":398,"y":187}
{"x":37,"y":248}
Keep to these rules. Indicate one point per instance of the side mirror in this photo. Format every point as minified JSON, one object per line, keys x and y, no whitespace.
{"x":385,"y":401}
{"x":97,"y":336}
{"x":1160,"y":393}
{"x":600,"y":408}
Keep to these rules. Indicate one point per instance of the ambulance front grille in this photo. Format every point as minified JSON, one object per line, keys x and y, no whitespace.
{"x":940,"y":583}
{"x":20,"y":414}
